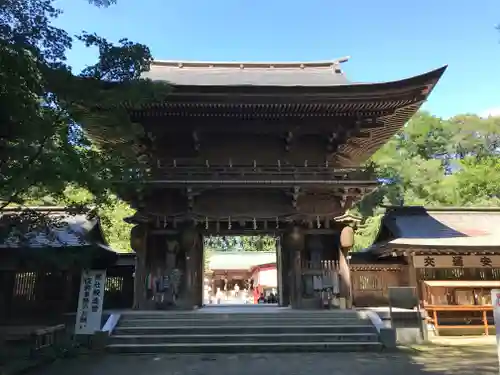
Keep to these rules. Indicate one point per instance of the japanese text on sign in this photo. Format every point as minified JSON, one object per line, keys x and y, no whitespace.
{"x":456,"y":261}
{"x":90,"y":301}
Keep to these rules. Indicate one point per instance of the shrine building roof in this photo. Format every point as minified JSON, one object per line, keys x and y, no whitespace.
{"x":239,"y":260}
{"x":55,"y":228}
{"x":179,"y":73}
{"x":447,"y":229}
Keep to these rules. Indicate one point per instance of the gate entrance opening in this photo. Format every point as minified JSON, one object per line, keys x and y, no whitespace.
{"x":241,"y":270}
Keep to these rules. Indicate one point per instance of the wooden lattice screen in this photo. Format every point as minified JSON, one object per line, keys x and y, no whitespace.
{"x":370,"y":285}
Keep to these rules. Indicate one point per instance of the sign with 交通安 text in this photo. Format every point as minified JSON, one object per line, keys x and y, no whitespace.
{"x":89,"y":313}
{"x":456,"y":261}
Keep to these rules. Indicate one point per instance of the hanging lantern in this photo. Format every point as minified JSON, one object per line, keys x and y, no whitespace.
{"x":188,"y":237}
{"x":295,"y":239}
{"x":137,"y":240}
{"x":347,"y":237}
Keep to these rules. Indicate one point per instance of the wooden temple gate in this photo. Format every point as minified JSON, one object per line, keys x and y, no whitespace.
{"x":249,"y":148}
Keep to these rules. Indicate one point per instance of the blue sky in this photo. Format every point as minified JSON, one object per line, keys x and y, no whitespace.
{"x":386,"y":39}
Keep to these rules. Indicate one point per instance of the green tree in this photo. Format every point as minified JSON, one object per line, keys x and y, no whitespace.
{"x":42,"y":149}
{"x":478,"y":181}
{"x":435,"y":162}
{"x":241,"y":243}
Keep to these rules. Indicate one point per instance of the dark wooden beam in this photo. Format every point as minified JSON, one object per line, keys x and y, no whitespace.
{"x":318,"y":125}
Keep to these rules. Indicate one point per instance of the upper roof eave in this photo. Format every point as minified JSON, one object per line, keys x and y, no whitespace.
{"x":252,"y":64}
{"x":442,"y":228}
{"x":347,"y":89}
{"x":441,"y":209}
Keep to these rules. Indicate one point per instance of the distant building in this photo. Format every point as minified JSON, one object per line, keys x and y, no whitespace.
{"x":246,"y":269}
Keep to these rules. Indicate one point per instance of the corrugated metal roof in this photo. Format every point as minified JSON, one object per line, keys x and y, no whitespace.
{"x":239,"y":260}
{"x":62,"y":231}
{"x":418,"y":226}
{"x":251,"y":74}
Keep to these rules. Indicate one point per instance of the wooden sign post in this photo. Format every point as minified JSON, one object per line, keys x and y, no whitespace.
{"x":89,"y":314}
{"x":495,"y":300}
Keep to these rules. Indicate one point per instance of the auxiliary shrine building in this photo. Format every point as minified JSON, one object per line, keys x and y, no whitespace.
{"x":258,"y":148}
{"x":451,"y":256}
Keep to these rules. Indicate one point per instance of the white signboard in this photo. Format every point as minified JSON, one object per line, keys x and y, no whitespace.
{"x":456,"y":261}
{"x":89,"y":313}
{"x":495,"y":300}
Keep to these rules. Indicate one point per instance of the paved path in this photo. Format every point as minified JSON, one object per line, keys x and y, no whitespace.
{"x":438,"y":361}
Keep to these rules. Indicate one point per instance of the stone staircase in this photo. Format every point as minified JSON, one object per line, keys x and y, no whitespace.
{"x":238,"y":332}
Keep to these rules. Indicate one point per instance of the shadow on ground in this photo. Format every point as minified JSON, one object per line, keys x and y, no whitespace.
{"x":474,"y":359}
{"x":431,"y":360}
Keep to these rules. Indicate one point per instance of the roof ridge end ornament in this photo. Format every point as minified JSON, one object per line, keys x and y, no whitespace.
{"x":336,"y":65}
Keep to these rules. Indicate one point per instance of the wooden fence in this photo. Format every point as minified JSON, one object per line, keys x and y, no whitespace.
{"x":43,"y":295}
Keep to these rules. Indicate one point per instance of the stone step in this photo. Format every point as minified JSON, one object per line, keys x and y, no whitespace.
{"x":232,"y":321}
{"x":217,"y":316}
{"x":244,"y":338}
{"x":250,"y":347}
{"x":249,"y":328}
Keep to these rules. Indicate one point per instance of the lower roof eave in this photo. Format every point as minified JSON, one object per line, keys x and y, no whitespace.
{"x":390,"y":249}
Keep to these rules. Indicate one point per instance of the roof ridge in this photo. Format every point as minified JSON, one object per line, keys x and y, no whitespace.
{"x":441,"y":209}
{"x":251,"y":64}
{"x":44,"y":209}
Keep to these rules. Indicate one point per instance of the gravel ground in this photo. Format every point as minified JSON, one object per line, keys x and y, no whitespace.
{"x":426,"y":360}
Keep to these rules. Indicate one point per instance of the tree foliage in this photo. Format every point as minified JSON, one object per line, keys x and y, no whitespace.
{"x":435,"y":162}
{"x":43,"y":148}
{"x":240,"y":243}
{"x":46,"y":110}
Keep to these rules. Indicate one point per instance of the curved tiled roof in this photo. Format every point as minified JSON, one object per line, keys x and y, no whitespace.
{"x":276,"y":97}
{"x":239,"y":260}
{"x":443,"y":227}
{"x":248,"y":73}
{"x":62,"y":229}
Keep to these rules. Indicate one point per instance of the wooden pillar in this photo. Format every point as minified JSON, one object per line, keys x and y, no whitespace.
{"x":412,"y":275}
{"x":297,"y":264}
{"x":190,"y":242}
{"x":68,"y":290}
{"x":294,"y":244}
{"x":199,"y":272}
{"x":282,"y":267}
{"x":138,"y":242}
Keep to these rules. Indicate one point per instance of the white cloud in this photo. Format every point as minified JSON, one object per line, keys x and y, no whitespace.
{"x":494,"y":112}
